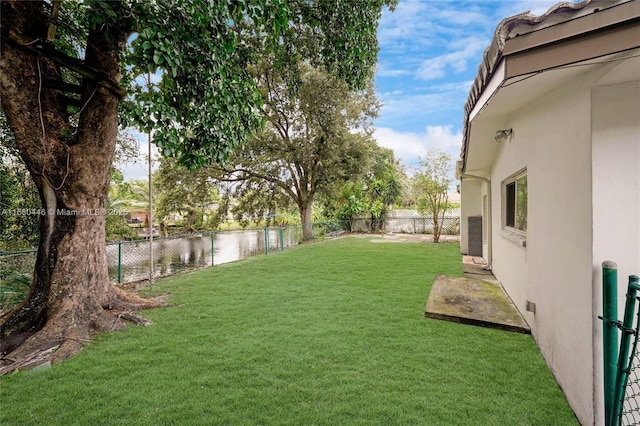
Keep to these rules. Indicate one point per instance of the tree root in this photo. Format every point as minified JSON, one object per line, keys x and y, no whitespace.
{"x":121,"y":300}
{"x":64,"y":336}
{"x":29,"y":361}
{"x":135,"y":319}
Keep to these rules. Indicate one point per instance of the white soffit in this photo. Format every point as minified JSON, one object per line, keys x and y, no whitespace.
{"x":506,"y":96}
{"x":491,"y":88}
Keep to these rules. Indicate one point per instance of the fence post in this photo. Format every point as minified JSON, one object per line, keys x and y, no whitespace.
{"x":266,"y":240}
{"x":622,"y":373}
{"x":119,"y":262}
{"x":212,"y":246}
{"x":609,"y":332}
{"x":281,"y":238}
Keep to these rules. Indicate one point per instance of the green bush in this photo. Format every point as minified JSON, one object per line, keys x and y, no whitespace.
{"x":13,"y":290}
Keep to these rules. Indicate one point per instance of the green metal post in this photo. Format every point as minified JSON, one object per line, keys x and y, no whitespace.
{"x":622,"y":374}
{"x":212,"y":246}
{"x":609,"y":331}
{"x":266,"y":240}
{"x":281,"y":238}
{"x":119,"y":262}
{"x":414,"y":224}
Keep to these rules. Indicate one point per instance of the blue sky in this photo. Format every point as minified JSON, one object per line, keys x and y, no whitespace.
{"x":429,"y":55}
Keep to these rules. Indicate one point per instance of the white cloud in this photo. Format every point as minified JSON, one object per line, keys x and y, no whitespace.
{"x":409,"y":146}
{"x":457,"y":16}
{"x":398,"y":107}
{"x":135,"y":171}
{"x":456,"y":61}
{"x":384,"y":70}
{"x":406,"y":21}
{"x":423,"y":105}
{"x":535,"y":7}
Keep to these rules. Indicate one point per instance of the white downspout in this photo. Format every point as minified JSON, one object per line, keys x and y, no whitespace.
{"x":489,"y":210}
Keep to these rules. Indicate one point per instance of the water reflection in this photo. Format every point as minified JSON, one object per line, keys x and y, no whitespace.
{"x":173,"y":255}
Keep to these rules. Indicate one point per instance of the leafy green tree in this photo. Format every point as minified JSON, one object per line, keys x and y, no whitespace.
{"x":118,"y":203}
{"x":19,"y":205}
{"x":19,"y":202}
{"x":373,"y":194}
{"x":384,"y":188}
{"x":350,"y":203}
{"x":309,"y":143}
{"x":431,"y":186}
{"x":189,"y":193}
{"x":258,"y":201}
{"x":65,"y":70}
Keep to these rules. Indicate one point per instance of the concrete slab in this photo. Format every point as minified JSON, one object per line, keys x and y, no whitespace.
{"x":474,"y":301}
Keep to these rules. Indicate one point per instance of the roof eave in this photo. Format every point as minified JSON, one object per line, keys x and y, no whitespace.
{"x":482,"y":88}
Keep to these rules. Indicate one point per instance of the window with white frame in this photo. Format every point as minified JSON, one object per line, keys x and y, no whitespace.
{"x":515,"y":202}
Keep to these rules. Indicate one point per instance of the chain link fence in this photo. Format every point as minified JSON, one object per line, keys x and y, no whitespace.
{"x":16,"y":268}
{"x":631,"y":402}
{"x":129,"y":261}
{"x":621,"y":360}
{"x":405,"y":223}
{"x":16,"y":262}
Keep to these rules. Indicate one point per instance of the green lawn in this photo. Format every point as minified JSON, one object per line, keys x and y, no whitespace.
{"x":326,"y":334}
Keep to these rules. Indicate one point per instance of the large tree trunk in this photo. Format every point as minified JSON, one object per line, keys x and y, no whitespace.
{"x":436,"y":226}
{"x":307,"y":224}
{"x":71,"y":295}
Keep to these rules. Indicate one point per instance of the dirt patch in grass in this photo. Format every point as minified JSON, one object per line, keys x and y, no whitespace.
{"x":407,"y":238}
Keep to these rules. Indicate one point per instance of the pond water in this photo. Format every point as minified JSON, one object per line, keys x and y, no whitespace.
{"x":128,"y":261}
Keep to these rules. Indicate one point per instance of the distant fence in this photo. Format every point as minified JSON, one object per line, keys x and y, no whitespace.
{"x":20,"y":262}
{"x":412,"y":224}
{"x":129,"y":261}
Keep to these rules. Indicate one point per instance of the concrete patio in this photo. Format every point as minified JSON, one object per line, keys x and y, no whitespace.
{"x":477,"y":299}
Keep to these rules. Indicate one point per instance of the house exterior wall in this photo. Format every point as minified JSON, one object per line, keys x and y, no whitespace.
{"x":571,"y":94}
{"x":615,"y":117}
{"x":616,"y":178}
{"x":552,"y":141}
{"x":470,"y":189}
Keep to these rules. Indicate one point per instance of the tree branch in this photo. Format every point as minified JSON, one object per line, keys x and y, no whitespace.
{"x":62,"y":86}
{"x":74,"y":64}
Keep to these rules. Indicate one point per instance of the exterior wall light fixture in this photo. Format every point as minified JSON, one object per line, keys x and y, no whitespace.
{"x":502,"y":135}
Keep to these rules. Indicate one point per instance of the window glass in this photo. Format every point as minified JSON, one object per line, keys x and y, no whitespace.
{"x":511,"y":204}
{"x":521,"y":203}
{"x":515,"y":202}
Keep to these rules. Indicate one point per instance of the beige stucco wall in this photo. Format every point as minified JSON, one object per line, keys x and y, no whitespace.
{"x":615,"y":117}
{"x":580,"y":145}
{"x":470,"y":189}
{"x":552,"y":140}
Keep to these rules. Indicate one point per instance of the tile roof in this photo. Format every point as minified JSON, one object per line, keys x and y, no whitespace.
{"x":514,"y":26}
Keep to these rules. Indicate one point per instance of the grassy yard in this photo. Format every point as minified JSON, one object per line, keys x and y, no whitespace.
{"x":324,"y":334}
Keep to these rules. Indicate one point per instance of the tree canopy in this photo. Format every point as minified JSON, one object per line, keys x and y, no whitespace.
{"x":70,"y":72}
{"x":316,"y":136}
{"x":206,"y":101}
